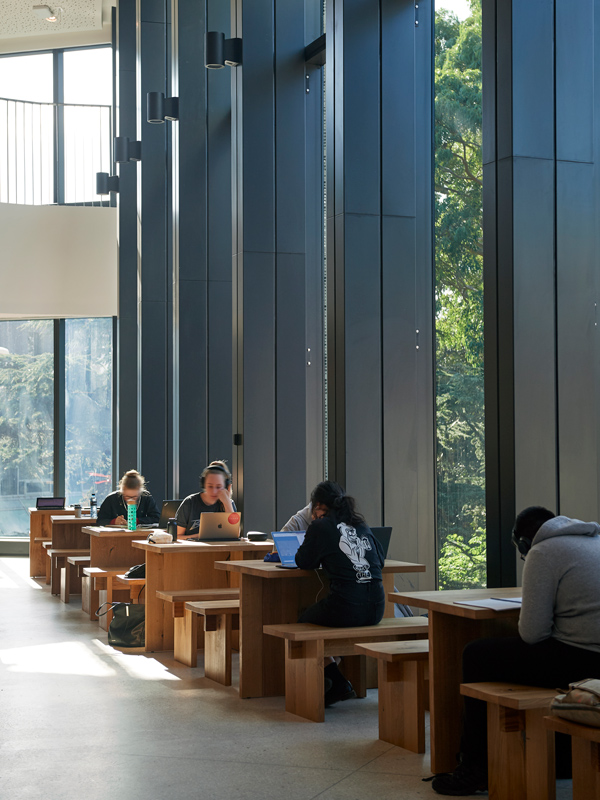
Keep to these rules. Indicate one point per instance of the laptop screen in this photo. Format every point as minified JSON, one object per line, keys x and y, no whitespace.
{"x":169,"y":509}
{"x":50,"y":502}
{"x":287,"y":545}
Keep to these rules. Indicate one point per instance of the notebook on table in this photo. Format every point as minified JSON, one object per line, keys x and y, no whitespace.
{"x":287,"y":544}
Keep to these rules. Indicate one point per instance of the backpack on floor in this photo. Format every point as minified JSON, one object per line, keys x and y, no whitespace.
{"x":128,"y":626}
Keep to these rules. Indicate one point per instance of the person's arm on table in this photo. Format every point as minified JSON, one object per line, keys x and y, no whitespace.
{"x":310,"y":552}
{"x":300,"y":520}
{"x":536,"y":620}
{"x":150,"y":514}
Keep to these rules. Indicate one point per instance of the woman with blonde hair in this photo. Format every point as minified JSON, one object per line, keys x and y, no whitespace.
{"x":132,"y":489}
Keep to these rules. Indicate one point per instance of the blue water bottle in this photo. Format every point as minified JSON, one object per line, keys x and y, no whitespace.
{"x":131,"y":516}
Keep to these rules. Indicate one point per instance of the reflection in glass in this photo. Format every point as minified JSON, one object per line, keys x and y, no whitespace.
{"x":26,"y":420}
{"x":88,"y":410}
{"x":459,"y":295}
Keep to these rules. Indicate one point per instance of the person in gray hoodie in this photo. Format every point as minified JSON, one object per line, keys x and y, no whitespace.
{"x":559,"y":630}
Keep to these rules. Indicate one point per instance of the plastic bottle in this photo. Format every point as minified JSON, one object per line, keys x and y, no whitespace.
{"x":131,"y":516}
{"x":93,"y":506}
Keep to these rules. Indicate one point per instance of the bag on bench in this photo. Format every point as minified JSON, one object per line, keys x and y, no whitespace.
{"x":128,"y":626}
{"x":580,"y":704}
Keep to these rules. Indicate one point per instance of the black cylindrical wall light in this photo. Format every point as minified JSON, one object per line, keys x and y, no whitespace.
{"x":160,"y":108}
{"x":126,"y":150}
{"x":105,"y":183}
{"x":214,"y":45}
{"x":220,"y":52}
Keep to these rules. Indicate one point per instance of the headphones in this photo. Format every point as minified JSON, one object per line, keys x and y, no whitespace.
{"x":523,"y":544}
{"x":215,"y":468}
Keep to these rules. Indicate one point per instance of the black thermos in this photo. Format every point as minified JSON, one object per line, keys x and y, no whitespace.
{"x":172,"y":528}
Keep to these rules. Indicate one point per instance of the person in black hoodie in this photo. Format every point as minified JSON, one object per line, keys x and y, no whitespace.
{"x":342,"y":543}
{"x":132,"y":489}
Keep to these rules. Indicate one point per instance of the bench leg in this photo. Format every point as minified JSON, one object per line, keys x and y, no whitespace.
{"x":586,"y":769}
{"x":48,"y":568}
{"x":540,"y":768}
{"x":56,"y":569}
{"x":85,"y":594}
{"x":186,"y":639}
{"x":65,"y":582}
{"x":354,"y":668}
{"x":401,"y":704}
{"x":304,"y":680}
{"x":506,"y":753}
{"x":217,"y":648}
{"x":96,"y":584}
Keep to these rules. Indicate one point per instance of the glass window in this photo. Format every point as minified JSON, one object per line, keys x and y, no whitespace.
{"x":28,"y":77}
{"x":88,"y":409}
{"x":87,"y":81}
{"x":459,"y":295}
{"x":26,"y":420}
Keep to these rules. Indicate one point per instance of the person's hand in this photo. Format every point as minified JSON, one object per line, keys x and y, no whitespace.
{"x":225,"y":498}
{"x":120,"y":520}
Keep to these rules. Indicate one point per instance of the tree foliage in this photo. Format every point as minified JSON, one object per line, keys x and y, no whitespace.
{"x":459,"y":300}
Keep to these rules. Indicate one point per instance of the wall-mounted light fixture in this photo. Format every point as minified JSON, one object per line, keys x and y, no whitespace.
{"x":105,"y":183}
{"x":220,"y":52}
{"x":160,"y":108}
{"x":126,"y":150}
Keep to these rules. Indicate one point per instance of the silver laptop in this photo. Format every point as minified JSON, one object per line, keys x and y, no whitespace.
{"x":287,"y":544}
{"x":218,"y":526}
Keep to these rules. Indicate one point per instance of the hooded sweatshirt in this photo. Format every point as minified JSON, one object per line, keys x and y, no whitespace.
{"x":561,"y":584}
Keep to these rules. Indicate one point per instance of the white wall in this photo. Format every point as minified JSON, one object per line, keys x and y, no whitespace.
{"x":58,"y":261}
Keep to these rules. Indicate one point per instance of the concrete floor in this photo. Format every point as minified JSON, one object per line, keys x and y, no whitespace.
{"x":79,"y":719}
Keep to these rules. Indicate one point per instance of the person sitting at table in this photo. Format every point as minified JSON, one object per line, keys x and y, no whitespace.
{"x":214,"y":495}
{"x":559,"y":631}
{"x":300,"y":520}
{"x":132,"y":489}
{"x":339,"y":540}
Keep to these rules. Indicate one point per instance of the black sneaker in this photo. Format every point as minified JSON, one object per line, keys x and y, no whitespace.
{"x":341,"y":690}
{"x":465,"y":780}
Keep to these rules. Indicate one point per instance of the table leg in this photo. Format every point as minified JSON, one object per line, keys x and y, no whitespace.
{"x":586,"y":769}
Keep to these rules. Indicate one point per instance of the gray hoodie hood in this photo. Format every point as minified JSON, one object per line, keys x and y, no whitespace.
{"x":565,"y":526}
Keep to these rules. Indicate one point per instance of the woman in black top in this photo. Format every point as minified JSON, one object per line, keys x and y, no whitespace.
{"x":342,"y":543}
{"x":132,"y":489}
{"x":215,"y":495}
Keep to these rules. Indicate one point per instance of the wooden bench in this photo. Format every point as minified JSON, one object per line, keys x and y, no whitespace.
{"x":401,"y":668}
{"x":46,"y":544}
{"x":98,"y":588}
{"x":58,"y":558}
{"x":135,"y":586}
{"x":70,"y":576}
{"x":521,"y":760}
{"x":585,"y":744}
{"x":221,"y":617}
{"x":187,"y":639}
{"x":307,"y":645}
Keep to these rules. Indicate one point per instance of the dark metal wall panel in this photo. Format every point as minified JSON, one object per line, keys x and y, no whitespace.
{"x":291,"y":366}
{"x":220,"y":410}
{"x":260,"y":474}
{"x":575,"y":80}
{"x":363,"y":365}
{"x":259,"y":126}
{"x":153,"y":312}
{"x":126,"y":412}
{"x":501,"y":46}
{"x":362,"y":113}
{"x":400,"y":398}
{"x":533,"y":79}
{"x":534,"y":334}
{"x":577,"y":340}
{"x":398,"y":168}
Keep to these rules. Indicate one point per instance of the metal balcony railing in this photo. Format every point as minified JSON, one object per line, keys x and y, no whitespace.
{"x":50,"y":152}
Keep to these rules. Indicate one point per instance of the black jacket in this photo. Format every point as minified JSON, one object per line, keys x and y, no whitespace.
{"x":351,"y":556}
{"x":114,"y":506}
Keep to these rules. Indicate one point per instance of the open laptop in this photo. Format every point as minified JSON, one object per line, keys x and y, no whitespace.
{"x":383,"y":536}
{"x":218,"y":526}
{"x":169,"y":509}
{"x":287,"y":544}
{"x":54,"y":503}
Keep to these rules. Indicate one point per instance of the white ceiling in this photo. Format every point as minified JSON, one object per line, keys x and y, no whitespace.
{"x":17,"y":19}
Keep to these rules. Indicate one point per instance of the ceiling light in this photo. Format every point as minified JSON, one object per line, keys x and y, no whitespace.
{"x":47,"y":14}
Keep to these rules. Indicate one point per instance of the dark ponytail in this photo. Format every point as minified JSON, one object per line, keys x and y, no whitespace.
{"x":342,"y":507}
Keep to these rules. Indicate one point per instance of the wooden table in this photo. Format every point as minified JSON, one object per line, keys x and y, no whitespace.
{"x":451,"y":627}
{"x":186,"y":565}
{"x":40,"y":528}
{"x":270,"y":595}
